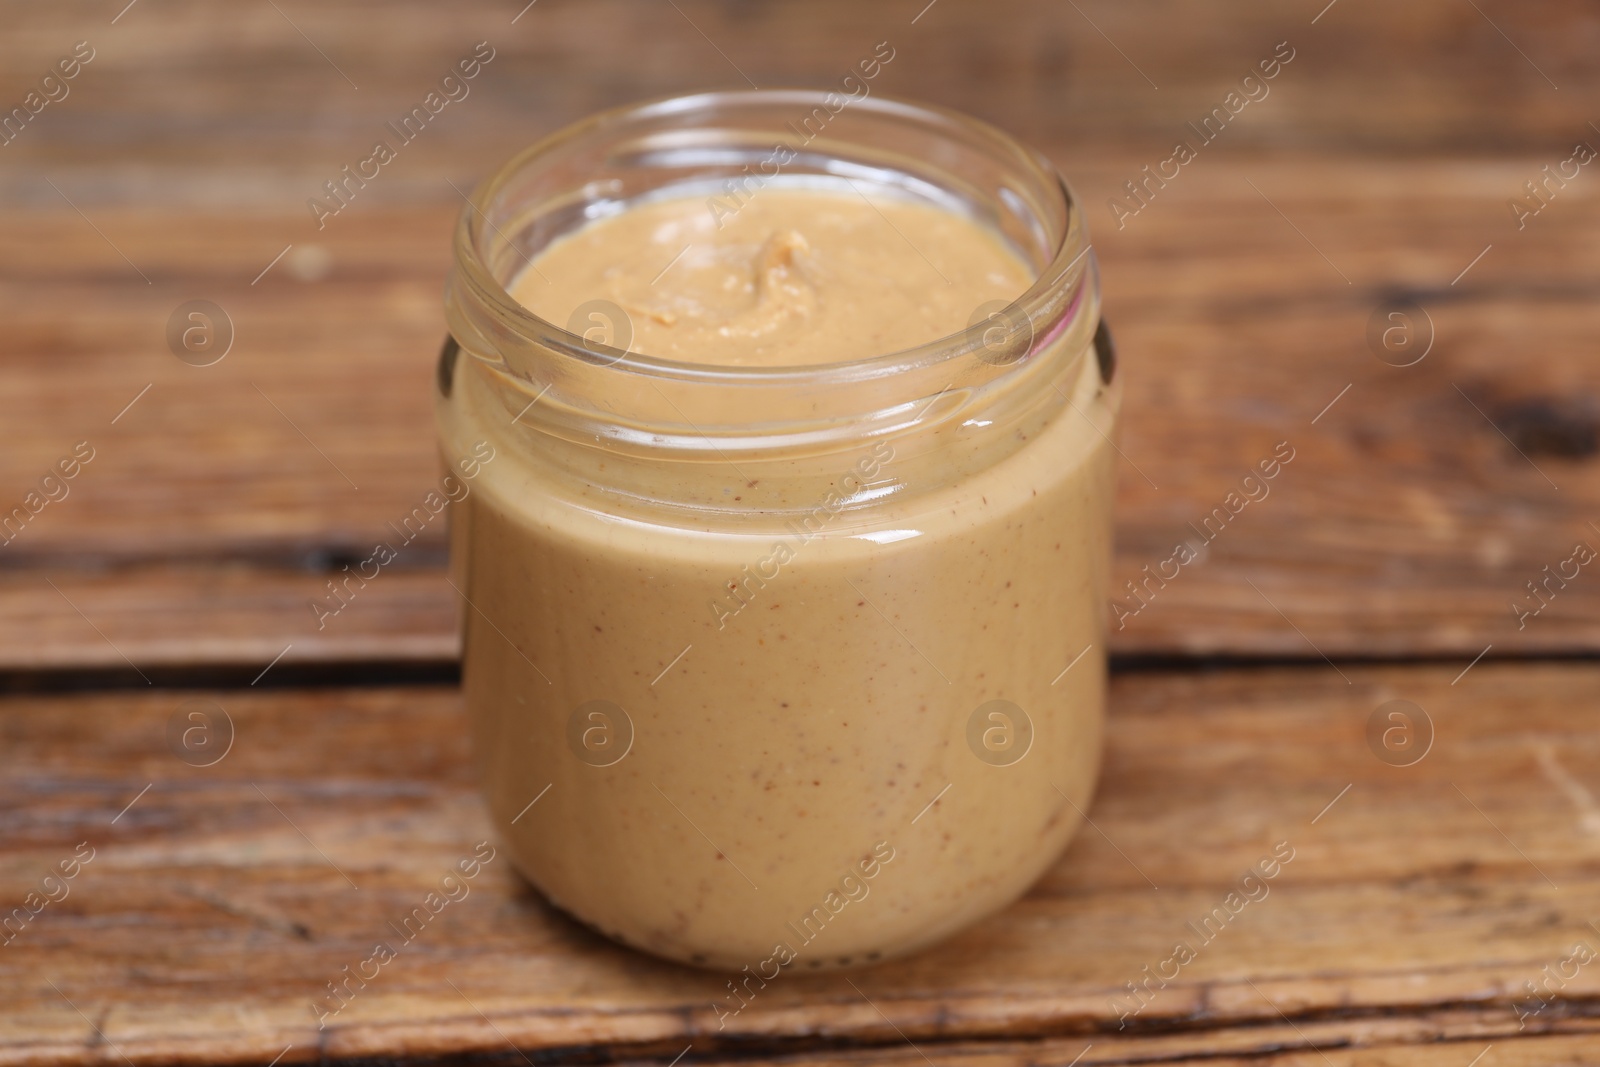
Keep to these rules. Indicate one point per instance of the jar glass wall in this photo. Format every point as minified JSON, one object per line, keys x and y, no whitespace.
{"x":769,"y":666}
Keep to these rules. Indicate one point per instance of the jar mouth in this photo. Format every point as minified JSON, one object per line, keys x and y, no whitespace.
{"x":1036,"y":204}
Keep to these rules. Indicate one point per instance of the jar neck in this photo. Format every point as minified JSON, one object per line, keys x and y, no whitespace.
{"x":600,"y":412}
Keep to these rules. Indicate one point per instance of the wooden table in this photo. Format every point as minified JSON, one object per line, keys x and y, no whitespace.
{"x":1432,"y":913}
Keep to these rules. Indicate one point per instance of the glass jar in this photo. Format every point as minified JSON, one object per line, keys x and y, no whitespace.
{"x":780,"y":667}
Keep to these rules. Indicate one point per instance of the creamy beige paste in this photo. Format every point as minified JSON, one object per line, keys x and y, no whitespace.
{"x":793,"y":277}
{"x":776,"y":804}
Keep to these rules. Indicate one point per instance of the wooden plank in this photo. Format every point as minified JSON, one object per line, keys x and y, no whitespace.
{"x":1408,"y":523}
{"x":220,"y":900}
{"x":160,"y":623}
{"x":195,"y":90}
{"x":1391,"y":159}
{"x":1385,"y":1042}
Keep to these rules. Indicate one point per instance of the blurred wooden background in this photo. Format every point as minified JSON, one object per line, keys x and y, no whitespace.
{"x":1422,"y":502}
{"x":1393,"y":141}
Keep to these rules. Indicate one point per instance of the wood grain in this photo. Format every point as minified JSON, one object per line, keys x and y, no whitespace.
{"x":219,"y":904}
{"x":1420,"y":503}
{"x":1409,"y":523}
{"x":175,"y":622}
{"x":1423,"y":503}
{"x":264,"y":98}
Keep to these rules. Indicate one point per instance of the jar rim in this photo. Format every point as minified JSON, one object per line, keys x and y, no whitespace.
{"x":1072,"y":251}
